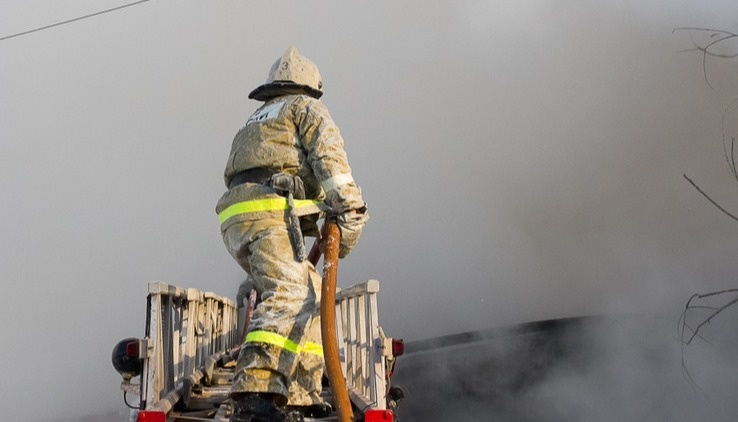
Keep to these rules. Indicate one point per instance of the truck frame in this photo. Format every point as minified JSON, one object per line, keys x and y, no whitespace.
{"x":181,"y":370}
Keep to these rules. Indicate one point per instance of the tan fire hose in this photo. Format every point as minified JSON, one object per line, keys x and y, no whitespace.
{"x":331,"y":240}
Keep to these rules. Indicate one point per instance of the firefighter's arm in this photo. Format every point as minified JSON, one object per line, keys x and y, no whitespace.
{"x":324,"y":146}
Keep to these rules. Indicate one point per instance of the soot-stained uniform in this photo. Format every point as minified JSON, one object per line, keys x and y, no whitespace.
{"x":292,"y":135}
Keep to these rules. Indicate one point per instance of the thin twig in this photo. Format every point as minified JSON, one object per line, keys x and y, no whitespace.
{"x":695,"y":332}
{"x":729,"y":156}
{"x":711,"y":308}
{"x":710,"y":199}
{"x":695,"y":28}
{"x":704,"y":295}
{"x":706,"y":49}
{"x":707,"y":321}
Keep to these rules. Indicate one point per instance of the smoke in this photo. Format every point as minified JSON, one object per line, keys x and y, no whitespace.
{"x":567,"y":198}
{"x":625,"y":368}
{"x":598,"y":225}
{"x":632,"y":371}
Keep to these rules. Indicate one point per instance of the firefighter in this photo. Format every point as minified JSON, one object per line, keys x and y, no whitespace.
{"x":287,"y":168}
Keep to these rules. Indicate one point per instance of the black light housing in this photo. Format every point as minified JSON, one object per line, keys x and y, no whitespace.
{"x":126,"y":358}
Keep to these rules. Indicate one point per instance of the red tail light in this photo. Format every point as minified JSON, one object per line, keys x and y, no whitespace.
{"x":154,"y":416}
{"x":127,"y":357}
{"x":378,"y":416}
{"x":132,"y":349}
{"x":398,"y":347}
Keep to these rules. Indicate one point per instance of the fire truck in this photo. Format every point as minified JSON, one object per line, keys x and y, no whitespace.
{"x":182,"y":367}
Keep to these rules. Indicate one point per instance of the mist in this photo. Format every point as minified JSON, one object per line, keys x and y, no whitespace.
{"x":520,"y":162}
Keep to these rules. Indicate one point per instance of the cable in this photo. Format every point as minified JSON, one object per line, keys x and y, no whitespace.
{"x":125,"y":400}
{"x":72,"y":20}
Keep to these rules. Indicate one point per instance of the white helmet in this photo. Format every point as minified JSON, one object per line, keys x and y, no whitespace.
{"x":290,"y":74}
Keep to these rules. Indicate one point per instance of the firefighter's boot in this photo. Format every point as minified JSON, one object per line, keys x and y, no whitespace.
{"x":256,"y":407}
{"x":319,"y":410}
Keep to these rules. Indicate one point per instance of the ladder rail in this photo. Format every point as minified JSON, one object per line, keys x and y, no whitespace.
{"x":186,"y":328}
{"x":362,"y":345}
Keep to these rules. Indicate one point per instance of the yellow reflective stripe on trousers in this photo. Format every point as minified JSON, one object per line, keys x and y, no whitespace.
{"x":263,"y":205}
{"x":313,"y":348}
{"x":283,"y":342}
{"x":274,"y":339}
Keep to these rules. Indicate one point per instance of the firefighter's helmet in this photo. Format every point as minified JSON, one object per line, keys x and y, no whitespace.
{"x":292,"y":73}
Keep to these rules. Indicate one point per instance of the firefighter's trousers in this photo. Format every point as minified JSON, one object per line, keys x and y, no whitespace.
{"x":283,"y":352}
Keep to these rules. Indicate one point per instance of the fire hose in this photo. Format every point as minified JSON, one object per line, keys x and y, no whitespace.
{"x":331,"y":241}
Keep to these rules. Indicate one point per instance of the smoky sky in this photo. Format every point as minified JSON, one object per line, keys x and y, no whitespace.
{"x":519,"y":161}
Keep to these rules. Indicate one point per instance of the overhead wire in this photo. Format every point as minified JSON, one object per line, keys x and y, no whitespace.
{"x":72,"y":20}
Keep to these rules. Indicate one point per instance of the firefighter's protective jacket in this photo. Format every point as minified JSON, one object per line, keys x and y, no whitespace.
{"x":292,"y":135}
{"x":295,"y":135}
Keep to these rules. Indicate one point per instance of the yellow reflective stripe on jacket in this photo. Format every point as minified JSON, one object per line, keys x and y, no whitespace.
{"x":283,"y":342}
{"x":263,"y":205}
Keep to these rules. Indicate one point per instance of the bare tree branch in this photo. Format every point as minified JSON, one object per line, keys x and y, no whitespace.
{"x":710,"y":199}
{"x":729,"y":156}
{"x":707,"y":312}
{"x":688,"y":333}
{"x":724,"y":35}
{"x":708,"y":319}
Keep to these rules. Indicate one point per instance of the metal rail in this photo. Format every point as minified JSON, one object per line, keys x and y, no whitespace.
{"x":187,"y":331}
{"x":362,"y":345}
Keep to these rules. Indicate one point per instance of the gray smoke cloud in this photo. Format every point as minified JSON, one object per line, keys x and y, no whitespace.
{"x":520,"y":162}
{"x":624,"y":368}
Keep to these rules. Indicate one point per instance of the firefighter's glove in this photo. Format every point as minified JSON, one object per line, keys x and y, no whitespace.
{"x":351,"y":224}
{"x":244,"y":289}
{"x":284,"y":184}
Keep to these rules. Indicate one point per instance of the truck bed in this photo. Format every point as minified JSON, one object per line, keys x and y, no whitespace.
{"x":187,"y":356}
